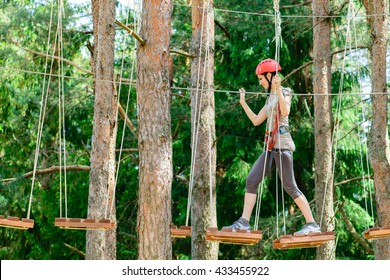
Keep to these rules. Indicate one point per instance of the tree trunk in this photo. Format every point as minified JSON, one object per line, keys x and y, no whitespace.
{"x":379,"y":135}
{"x":154,"y":134}
{"x":203,"y":212}
{"x":102,"y":244}
{"x":323,"y":124}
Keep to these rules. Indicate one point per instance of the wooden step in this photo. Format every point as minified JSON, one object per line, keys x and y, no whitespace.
{"x":181,"y":232}
{"x":296,"y":241}
{"x":377,"y":232}
{"x":241,"y":237}
{"x":84,"y":224}
{"x":15,"y":222}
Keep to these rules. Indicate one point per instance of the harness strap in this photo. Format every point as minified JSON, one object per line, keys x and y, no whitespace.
{"x":272,"y":140}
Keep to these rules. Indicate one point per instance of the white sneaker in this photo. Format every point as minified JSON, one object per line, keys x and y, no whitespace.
{"x":239,"y":225}
{"x":308,"y":228}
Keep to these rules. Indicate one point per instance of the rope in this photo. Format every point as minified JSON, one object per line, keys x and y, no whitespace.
{"x":338,"y":109}
{"x":63,"y":121}
{"x":270,"y":120}
{"x":190,"y":89}
{"x":42,"y":112}
{"x":358,"y":16}
{"x":266,"y":143}
{"x":278,"y":39}
{"x":281,"y":189}
{"x":271,"y":15}
{"x":196,"y":120}
{"x":127,"y":106}
{"x":61,"y":109}
{"x":59,"y":28}
{"x":360,"y":131}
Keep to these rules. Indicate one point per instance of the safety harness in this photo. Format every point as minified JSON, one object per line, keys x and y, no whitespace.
{"x":270,"y":138}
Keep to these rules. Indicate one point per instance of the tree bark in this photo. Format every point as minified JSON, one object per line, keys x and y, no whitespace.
{"x":154,"y":132}
{"x":354,"y":233}
{"x":203,"y":212}
{"x":102,"y":244}
{"x":379,"y":135}
{"x":323,"y":124}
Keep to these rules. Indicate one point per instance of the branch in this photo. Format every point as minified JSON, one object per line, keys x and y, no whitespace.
{"x":224,"y":30}
{"x":120,"y":108}
{"x":127,"y":150}
{"x":174,"y":134}
{"x":219,"y":137}
{"x":127,"y":120}
{"x":142,"y":41}
{"x":309,"y":113}
{"x":353,"y":106}
{"x":353,"y":129}
{"x":182,"y":179}
{"x":51,"y":169}
{"x":183,"y":53}
{"x":78,"y":31}
{"x":353,"y":179}
{"x":354,"y":49}
{"x":128,"y":81}
{"x":355,"y":235}
{"x":55,"y":57}
{"x":131,"y":32}
{"x":89,"y":47}
{"x":297,"y":69}
{"x":75,"y":250}
{"x":296,"y":5}
{"x":350,"y":131}
{"x":335,"y":12}
{"x":311,"y":62}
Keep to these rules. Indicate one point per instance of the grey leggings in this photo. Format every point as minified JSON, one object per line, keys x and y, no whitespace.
{"x":286,"y":171}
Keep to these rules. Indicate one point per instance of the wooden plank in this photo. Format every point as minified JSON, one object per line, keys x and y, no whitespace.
{"x":377,"y":232}
{"x":277,"y":245}
{"x":306,"y":238}
{"x":303,"y":241}
{"x":181,"y":232}
{"x":84,"y":224}
{"x":16,"y":223}
{"x":241,"y":237}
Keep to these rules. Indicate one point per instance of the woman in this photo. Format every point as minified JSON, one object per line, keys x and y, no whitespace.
{"x":279,"y":147}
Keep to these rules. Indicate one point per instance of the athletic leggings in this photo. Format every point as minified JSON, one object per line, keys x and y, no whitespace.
{"x":284,"y":162}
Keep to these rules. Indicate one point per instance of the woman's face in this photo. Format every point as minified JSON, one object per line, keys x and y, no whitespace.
{"x":263,"y":81}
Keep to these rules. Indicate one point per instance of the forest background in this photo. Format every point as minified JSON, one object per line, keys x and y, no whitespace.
{"x":242,"y":39}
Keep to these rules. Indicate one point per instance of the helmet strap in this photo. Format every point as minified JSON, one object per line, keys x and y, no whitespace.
{"x":269,"y":81}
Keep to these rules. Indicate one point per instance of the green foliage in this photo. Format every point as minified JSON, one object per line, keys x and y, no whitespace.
{"x":245,"y":40}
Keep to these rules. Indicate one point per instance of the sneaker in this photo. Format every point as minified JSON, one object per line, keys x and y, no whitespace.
{"x":308,"y":228}
{"x":240,"y":224}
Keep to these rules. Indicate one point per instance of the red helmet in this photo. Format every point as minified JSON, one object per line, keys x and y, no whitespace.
{"x":267,"y":65}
